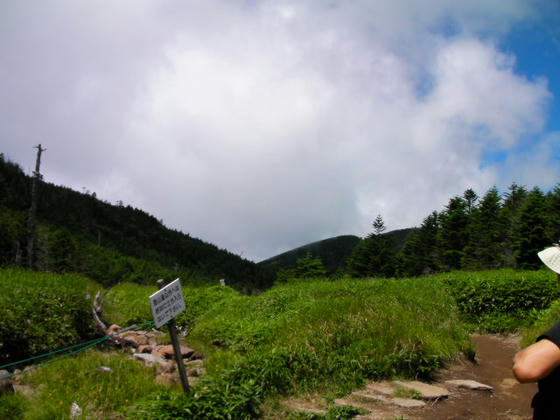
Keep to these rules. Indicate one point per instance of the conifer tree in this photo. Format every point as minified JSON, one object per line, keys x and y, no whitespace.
{"x":513,"y":201}
{"x":553,"y":214}
{"x":419,"y":253}
{"x":453,"y":235}
{"x":530,"y":236}
{"x":373,"y":256}
{"x":485,"y":249}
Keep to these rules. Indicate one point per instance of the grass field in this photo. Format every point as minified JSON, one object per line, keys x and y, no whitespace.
{"x":311,"y":335}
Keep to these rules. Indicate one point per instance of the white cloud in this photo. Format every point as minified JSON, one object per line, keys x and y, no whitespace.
{"x":262,"y":126}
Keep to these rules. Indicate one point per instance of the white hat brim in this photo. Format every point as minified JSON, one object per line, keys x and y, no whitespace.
{"x":551,"y":258}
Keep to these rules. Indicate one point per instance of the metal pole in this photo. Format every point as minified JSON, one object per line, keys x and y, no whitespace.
{"x":176,"y":348}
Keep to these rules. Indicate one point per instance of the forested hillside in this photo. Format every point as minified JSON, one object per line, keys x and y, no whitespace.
{"x":110,"y":243}
{"x":333,"y":252}
{"x":471,"y":233}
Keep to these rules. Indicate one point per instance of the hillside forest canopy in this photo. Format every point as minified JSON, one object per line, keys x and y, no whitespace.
{"x":77,"y":232}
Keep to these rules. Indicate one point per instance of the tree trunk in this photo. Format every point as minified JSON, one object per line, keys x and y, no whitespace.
{"x":33,"y":210}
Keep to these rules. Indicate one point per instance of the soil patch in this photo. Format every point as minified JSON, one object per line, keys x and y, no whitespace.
{"x":510,"y":399}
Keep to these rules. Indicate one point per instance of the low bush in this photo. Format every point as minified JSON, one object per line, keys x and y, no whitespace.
{"x":501,"y":300}
{"x":42,"y":312}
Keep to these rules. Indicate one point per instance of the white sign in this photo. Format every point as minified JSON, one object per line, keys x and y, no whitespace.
{"x":167,"y":303}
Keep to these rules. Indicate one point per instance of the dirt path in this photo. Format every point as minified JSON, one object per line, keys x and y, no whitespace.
{"x":510,"y":400}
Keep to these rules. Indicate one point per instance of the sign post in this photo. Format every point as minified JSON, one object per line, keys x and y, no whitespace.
{"x":166,"y":303}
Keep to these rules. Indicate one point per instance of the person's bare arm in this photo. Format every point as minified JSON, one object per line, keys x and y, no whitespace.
{"x":536,"y":361}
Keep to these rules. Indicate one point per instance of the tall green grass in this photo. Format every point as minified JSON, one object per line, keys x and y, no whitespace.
{"x":99,"y":393}
{"x":545,"y":320}
{"x":128,"y":303}
{"x":42,"y":312}
{"x":315,"y":334}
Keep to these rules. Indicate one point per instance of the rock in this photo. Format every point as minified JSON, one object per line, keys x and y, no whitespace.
{"x":168,"y":352}
{"x":104,"y":369}
{"x":428,"y":392}
{"x":131,"y":341}
{"x":197,"y":362}
{"x":344,"y":401}
{"x":157,"y":353}
{"x":144,"y":349}
{"x":6,"y":384}
{"x":383,"y":388}
{"x":369,"y":397}
{"x":196,"y":356}
{"x":407,"y":402}
{"x":23,"y":390}
{"x":170,"y":367}
{"x":150,"y":358}
{"x":167,"y":379}
{"x":470,"y":384}
{"x":75,"y":411}
{"x":113,"y":329}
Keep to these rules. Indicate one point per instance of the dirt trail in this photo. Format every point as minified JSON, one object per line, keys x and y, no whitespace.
{"x":510,"y":400}
{"x":494,"y":354}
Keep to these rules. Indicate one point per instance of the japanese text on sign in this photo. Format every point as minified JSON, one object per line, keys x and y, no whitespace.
{"x":167,"y":303}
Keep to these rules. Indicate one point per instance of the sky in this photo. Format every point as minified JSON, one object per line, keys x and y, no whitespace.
{"x":261,"y":126}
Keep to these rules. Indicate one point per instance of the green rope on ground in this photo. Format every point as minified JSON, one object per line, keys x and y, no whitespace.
{"x":84,"y":346}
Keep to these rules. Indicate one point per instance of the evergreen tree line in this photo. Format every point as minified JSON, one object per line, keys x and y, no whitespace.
{"x":471,"y":233}
{"x":78,"y":232}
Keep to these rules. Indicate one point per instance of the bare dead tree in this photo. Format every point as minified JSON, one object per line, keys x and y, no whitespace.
{"x":33,"y":210}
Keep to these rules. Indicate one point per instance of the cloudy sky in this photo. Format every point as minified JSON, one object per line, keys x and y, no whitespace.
{"x":261,"y":126}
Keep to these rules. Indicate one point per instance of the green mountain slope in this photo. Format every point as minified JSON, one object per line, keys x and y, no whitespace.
{"x":76,"y":225}
{"x":333,"y":251}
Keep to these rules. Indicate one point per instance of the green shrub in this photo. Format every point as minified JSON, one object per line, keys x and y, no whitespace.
{"x":501,"y":300}
{"x":43,"y":312}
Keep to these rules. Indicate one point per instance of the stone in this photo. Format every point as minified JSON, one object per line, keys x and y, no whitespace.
{"x":150,"y":358}
{"x":104,"y":369}
{"x":168,"y":352}
{"x":23,"y":390}
{"x":144,"y":348}
{"x":157,"y":353}
{"x":197,"y":362}
{"x":470,"y":384}
{"x":142,"y":340}
{"x":343,"y":401}
{"x":170,"y":367}
{"x":407,"y":402}
{"x":113,"y":329}
{"x":428,"y":392}
{"x":366,"y":396}
{"x":75,"y":411}
{"x":383,"y":388}
{"x":196,"y":356}
{"x":6,"y":384}
{"x":166,"y":379}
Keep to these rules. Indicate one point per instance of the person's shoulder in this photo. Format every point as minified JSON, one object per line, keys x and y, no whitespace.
{"x":553,"y":334}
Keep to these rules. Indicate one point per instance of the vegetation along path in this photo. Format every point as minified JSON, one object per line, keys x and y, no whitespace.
{"x":508,"y":400}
